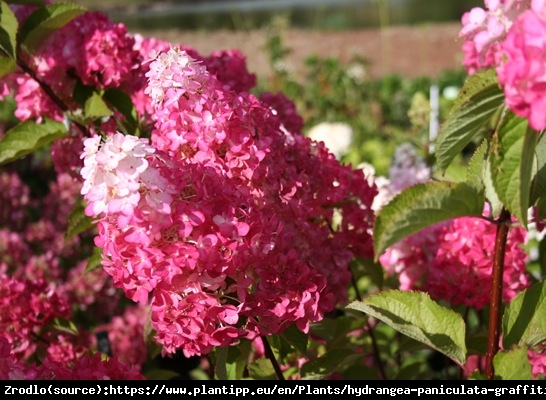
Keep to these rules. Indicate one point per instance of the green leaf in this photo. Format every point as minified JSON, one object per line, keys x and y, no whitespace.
{"x":262,"y":369}
{"x":221,"y":355}
{"x":27,"y":137}
{"x":230,"y":362}
{"x":539,"y":182}
{"x":512,"y":160}
{"x":373,"y":270}
{"x":326,"y":364}
{"x":95,"y":261}
{"x":8,"y":35}
{"x":78,"y":222}
{"x":7,"y":65}
{"x":475,"y":170}
{"x":66,"y":326}
{"x":416,"y":315}
{"x":297,"y":339}
{"x":490,"y":193}
{"x":479,"y":99}
{"x":512,"y":365}
{"x":95,"y":107}
{"x":8,"y":39}
{"x":478,"y":174}
{"x":423,"y":205}
{"x":524,"y":320}
{"x":527,"y":172}
{"x":541,"y":208}
{"x":334,"y":331}
{"x":474,"y":84}
{"x":46,"y":20}
{"x":122,"y":102}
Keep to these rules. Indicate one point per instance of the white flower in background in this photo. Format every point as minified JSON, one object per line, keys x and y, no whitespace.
{"x":337,"y":136}
{"x":283,"y":67}
{"x":450,"y":92}
{"x":357,"y":72}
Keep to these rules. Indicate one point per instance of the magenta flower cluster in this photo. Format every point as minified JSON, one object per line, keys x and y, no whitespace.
{"x":229,"y":224}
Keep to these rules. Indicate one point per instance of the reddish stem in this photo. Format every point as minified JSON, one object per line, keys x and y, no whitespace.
{"x":496,"y":292}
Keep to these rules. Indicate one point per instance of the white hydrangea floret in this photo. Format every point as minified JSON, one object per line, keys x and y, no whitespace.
{"x":111,"y":173}
{"x":337,"y":136}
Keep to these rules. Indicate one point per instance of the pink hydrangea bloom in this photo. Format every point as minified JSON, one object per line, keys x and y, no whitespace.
{"x":172,"y":72}
{"x":286,"y":109}
{"x":27,"y":306}
{"x":14,"y":197}
{"x":537,"y":358}
{"x":484,"y":29}
{"x":241,"y":227}
{"x":12,"y":368}
{"x":93,"y":50}
{"x":90,"y":367}
{"x":453,"y":261}
{"x":523,"y":73}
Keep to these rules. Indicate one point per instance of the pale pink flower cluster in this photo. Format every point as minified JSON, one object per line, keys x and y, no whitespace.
{"x":115,"y":174}
{"x":251,"y":241}
{"x":509,"y":36}
{"x":484,"y":30}
{"x":523,"y":73}
{"x":173,"y":72}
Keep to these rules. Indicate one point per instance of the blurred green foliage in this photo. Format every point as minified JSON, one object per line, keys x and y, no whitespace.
{"x":382,"y":112}
{"x":228,"y":14}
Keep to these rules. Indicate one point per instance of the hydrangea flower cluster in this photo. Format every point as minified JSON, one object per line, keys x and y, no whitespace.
{"x":452,"y":261}
{"x":94,"y":50}
{"x":27,"y":306}
{"x":89,"y":367}
{"x":229,"y":228}
{"x":112,"y":173}
{"x":509,"y":36}
{"x":449,"y":260}
{"x":43,"y":280}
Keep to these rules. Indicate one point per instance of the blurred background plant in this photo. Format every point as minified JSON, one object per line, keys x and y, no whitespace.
{"x":383,"y":112}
